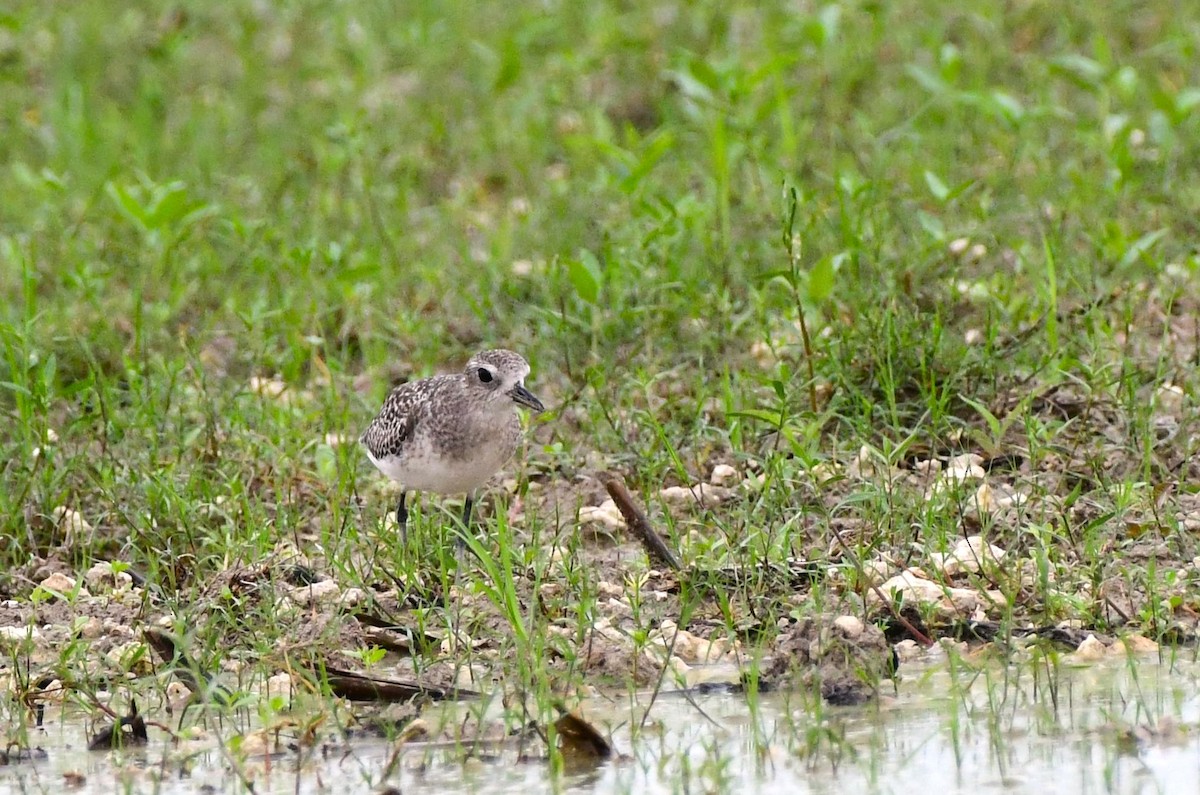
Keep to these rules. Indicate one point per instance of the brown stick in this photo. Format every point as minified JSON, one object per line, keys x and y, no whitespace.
{"x":361,"y":687}
{"x":918,"y":635}
{"x":656,"y":548}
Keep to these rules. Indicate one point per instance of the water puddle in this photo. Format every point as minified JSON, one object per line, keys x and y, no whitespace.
{"x":945,"y":729}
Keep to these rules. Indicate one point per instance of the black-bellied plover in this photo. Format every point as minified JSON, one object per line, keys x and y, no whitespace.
{"x":448,"y":434}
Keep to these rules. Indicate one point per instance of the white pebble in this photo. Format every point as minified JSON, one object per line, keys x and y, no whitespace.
{"x":279,"y":685}
{"x":71,"y":520}
{"x":323,"y":591}
{"x":16,"y":635}
{"x":59,"y":583}
{"x":850,"y":626}
{"x":723,"y":475}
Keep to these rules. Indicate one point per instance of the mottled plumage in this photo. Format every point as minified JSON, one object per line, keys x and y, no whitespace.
{"x":448,"y":434}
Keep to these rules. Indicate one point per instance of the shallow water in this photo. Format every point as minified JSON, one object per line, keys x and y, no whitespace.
{"x":945,"y":729}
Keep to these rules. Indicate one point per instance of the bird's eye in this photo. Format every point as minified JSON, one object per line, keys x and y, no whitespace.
{"x":485,"y":375}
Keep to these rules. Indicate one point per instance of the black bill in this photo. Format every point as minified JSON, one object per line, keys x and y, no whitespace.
{"x":523,"y":396}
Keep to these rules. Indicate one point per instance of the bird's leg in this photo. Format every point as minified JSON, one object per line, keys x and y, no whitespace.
{"x":402,"y":516}
{"x":468,"y":503}
{"x":460,"y":542}
{"x":465,"y":533}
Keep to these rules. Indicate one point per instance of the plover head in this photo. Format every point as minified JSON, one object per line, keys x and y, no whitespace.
{"x":499,"y":376}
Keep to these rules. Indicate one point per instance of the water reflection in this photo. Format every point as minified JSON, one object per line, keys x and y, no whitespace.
{"x":946,"y":729}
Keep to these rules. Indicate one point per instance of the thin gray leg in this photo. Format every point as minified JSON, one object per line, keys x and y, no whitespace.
{"x":402,"y":517}
{"x":460,"y":538}
{"x":468,"y":503}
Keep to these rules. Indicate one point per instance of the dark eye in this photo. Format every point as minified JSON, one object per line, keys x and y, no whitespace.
{"x":485,"y":375}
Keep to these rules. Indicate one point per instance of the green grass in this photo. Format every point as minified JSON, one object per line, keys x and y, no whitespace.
{"x":342,"y":196}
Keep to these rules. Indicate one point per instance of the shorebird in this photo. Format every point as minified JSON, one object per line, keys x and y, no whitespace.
{"x":448,"y":434}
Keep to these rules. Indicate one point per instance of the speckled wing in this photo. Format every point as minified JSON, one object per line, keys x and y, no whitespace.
{"x":395,"y":422}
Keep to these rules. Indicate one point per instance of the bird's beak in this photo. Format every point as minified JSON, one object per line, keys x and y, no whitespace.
{"x":523,"y":396}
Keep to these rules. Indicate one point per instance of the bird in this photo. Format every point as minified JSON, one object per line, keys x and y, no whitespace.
{"x":448,"y":434}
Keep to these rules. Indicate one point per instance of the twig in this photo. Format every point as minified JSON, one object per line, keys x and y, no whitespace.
{"x":656,"y":548}
{"x":918,"y":635}
{"x":789,"y":243}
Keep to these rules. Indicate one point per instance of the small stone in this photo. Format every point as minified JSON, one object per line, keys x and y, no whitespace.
{"x":850,"y":626}
{"x":255,"y":744}
{"x":865,"y":465}
{"x":678,"y":666}
{"x":132,"y":657}
{"x":763,"y":354}
{"x":755,"y":482}
{"x":825,"y":471}
{"x":91,"y":629}
{"x":268,"y":387}
{"x":962,"y":467}
{"x":677,"y":495}
{"x":71,"y":521}
{"x":1134,"y":644}
{"x":101,"y":578}
{"x":724,"y":475}
{"x":279,"y":685}
{"x":985,"y":499}
{"x":178,"y":696}
{"x":619,"y":607}
{"x":960,"y":648}
{"x":1090,"y":650}
{"x":908,"y":650}
{"x":609,"y":589}
{"x":681,"y":495}
{"x":968,"y":555}
{"x":959,"y":245}
{"x":606,"y":514}
{"x":59,"y":583}
{"x":319,"y":592}
{"x":55,"y":692}
{"x":353,"y":596}
{"x":876,"y":571}
{"x":14,"y":636}
{"x":470,"y":677}
{"x":911,"y":585}
{"x":973,"y":336}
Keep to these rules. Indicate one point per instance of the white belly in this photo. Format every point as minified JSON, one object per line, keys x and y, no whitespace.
{"x":438,"y":474}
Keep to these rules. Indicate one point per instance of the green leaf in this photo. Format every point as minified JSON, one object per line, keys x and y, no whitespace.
{"x":1083,"y":71}
{"x":932,"y":225}
{"x":1187,"y":100}
{"x":129,"y":206}
{"x":1142,"y":246}
{"x":936,"y":186}
{"x":510,"y":67}
{"x":326,"y":460}
{"x":584,"y":274}
{"x":659,"y":146}
{"x":927,"y":80}
{"x":773,"y":418}
{"x":821,"y":277}
{"x":992,"y":422}
{"x":1009,"y":106}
